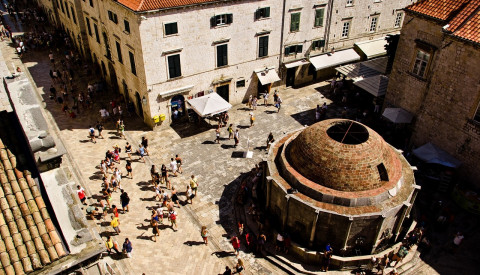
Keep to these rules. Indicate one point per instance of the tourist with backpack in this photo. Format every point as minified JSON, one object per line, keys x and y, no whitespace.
{"x":91,"y":133}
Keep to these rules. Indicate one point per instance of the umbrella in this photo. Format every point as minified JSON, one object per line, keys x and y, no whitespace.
{"x":432,"y":154}
{"x":209,"y":105}
{"x":397,"y":115}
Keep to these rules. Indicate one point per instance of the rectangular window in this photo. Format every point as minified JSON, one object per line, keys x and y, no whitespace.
{"x":174,"y":66}
{"x":221,"y":19}
{"x":295,"y":22}
{"x":263,"y":46}
{"x":133,"y":68}
{"x":349,"y":2}
{"x":171,"y":28}
{"x":113,"y":17}
{"x":119,"y":52}
{"x":317,"y":44}
{"x":421,"y":62}
{"x":293,"y":49}
{"x":262,"y":13}
{"x":222,"y":55}
{"x":91,"y":3}
{"x":319,"y":18}
{"x":61,"y":5}
{"x":241,"y":83}
{"x":477,"y":114}
{"x":127,"y":26}
{"x":89,"y":29}
{"x":373,"y":24}
{"x":97,"y":36}
{"x":346,"y":29}
{"x":398,"y":19}
{"x":73,"y":15}
{"x":66,"y":9}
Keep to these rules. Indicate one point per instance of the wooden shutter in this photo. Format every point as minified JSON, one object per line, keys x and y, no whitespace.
{"x":299,"y":49}
{"x":267,"y":12}
{"x":213,"y":21}
{"x":257,"y":14}
{"x":174,"y":69}
{"x":319,"y":17}
{"x":263,"y":46}
{"x":321,"y":43}
{"x":295,"y":22}
{"x":174,"y":28}
{"x":229,"y":18}
{"x":287,"y":50}
{"x":222,"y":55}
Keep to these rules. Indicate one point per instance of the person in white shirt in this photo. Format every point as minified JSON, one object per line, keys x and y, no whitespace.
{"x":173,"y":166}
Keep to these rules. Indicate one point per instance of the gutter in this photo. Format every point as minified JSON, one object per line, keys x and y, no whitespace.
{"x":329,"y":22}
{"x":282,"y":30}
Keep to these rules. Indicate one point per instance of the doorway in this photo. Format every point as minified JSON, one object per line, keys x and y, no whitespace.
{"x":177,"y":107}
{"x":139,"y":105}
{"x":223,"y":91}
{"x":113,"y":77}
{"x":291,"y":76}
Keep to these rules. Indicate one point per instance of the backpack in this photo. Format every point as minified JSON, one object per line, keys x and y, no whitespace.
{"x":92,"y":131}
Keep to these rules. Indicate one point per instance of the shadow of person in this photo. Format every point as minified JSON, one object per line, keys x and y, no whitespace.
{"x":223,"y":254}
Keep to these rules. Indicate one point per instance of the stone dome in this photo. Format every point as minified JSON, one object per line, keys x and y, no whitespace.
{"x":343,"y":155}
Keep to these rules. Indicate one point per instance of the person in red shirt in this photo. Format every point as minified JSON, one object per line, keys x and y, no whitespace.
{"x":236,"y":244}
{"x":81,"y":194}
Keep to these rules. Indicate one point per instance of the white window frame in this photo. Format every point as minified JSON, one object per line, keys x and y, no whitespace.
{"x":346,"y":29}
{"x":420,"y":62}
{"x":221,"y":19}
{"x":349,"y":3}
{"x":373,"y":23}
{"x":398,"y":20}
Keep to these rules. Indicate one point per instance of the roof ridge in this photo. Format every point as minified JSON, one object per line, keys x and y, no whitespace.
{"x":141,"y":5}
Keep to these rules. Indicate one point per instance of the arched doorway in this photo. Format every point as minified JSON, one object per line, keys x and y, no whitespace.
{"x":113,"y":77}
{"x":138,"y":101}
{"x":177,"y":105}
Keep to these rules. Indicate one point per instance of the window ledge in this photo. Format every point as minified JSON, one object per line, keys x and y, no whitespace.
{"x":221,"y":26}
{"x":317,"y":27}
{"x":175,"y":78}
{"x":349,"y":5}
{"x":417,"y":77}
{"x":170,"y":35}
{"x":263,"y":57}
{"x":221,"y":67}
{"x":263,"y":18}
{"x":294,"y":31}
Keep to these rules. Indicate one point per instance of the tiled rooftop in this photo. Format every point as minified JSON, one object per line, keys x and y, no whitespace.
{"x":462,"y":16}
{"x":29,"y":240}
{"x":146,"y":5}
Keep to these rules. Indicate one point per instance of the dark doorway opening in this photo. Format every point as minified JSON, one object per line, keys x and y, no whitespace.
{"x":178,"y":107}
{"x":291,"y":76}
{"x":139,"y":105}
{"x":223,"y":91}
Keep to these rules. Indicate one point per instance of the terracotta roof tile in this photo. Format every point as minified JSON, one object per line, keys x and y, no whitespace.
{"x":461,"y":16}
{"x":146,"y":5}
{"x":29,"y":239}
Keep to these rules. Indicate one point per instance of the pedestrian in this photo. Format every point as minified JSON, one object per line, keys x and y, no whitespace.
{"x":261,"y":240}
{"x":252,"y":119}
{"x":227,"y":271}
{"x":240,"y":228}
{"x":165,"y":178}
{"x":265,"y":98}
{"x":250,"y":99}
{"x":204,"y":233}
{"x":115,"y":211}
{"x":127,"y":248}
{"x":236,"y":137}
{"x":145,"y":145}
{"x":128,"y":166}
{"x":91,"y":212}
{"x":179,"y":163}
{"x":115,"y":223}
{"x":173,"y":166}
{"x":239,"y":267}
{"x":457,"y":241}
{"x":122,"y":130}
{"x":230,"y":131}
{"x":110,"y":244}
{"x":154,"y":174}
{"x":254,"y":103}
{"x":217,"y":135}
{"x":275,"y":96}
{"x":100,"y":129}
{"x":327,"y":255}
{"x":141,"y":151}
{"x":189,"y":194}
{"x":155,"y":230}
{"x":270,"y":140}
{"x":91,"y":132}
{"x":124,"y":200}
{"x":175,"y":197}
{"x":173,"y":219}
{"x":278,"y":103}
{"x":128,"y":150}
{"x":194,"y":184}
{"x":236,"y":244}
{"x":81,"y":194}
{"x":279,"y":242}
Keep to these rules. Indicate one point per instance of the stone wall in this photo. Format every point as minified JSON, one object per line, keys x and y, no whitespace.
{"x":446,"y":99}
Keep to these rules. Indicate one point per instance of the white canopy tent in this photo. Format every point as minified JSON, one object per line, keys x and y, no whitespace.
{"x":397,"y":115}
{"x":430,"y":153}
{"x":334,"y":59}
{"x":209,"y":105}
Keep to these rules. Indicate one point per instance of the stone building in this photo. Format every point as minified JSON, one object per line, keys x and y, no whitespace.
{"x":160,"y":53}
{"x":435,"y":77}
{"x":349,"y":188}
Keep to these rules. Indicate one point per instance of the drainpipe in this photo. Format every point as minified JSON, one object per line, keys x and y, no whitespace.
{"x":280,"y":59}
{"x":329,"y":23}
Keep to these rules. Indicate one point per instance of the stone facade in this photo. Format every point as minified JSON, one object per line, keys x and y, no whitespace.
{"x":445,"y":100}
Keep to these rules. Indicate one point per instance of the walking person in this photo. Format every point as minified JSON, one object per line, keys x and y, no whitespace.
{"x":155,"y":230}
{"x":236,"y":137}
{"x":175,"y":197}
{"x":194,"y":184}
{"x":239,"y":267}
{"x":128,"y":150}
{"x":189,"y":194}
{"x":265,"y":98}
{"x":236,"y":244}
{"x":173,"y":166}
{"x":204,"y":234}
{"x":100,"y":129}
{"x":127,"y":248}
{"x":128,"y":166}
{"x":145,"y":145}
{"x":252,"y":119}
{"x":217,"y":135}
{"x":179,"y":163}
{"x":91,"y":132}
{"x":230,"y":131}
{"x":122,"y":130}
{"x":141,"y":151}
{"x":115,"y":223}
{"x":81,"y":194}
{"x":278,"y":103}
{"x":165,"y":176}
{"x":111,"y":244}
{"x":254,"y":103}
{"x":270,"y":140}
{"x":124,"y":200}
{"x":173,"y":219}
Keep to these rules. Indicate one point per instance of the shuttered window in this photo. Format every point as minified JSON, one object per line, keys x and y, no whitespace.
{"x":222,"y":55}
{"x":263,"y":46}
{"x":171,"y":28}
{"x":319,"y":17}
{"x":174,"y":66}
{"x":119,"y":52}
{"x":295,"y":22}
{"x":262,"y":13}
{"x":132,"y":63}
{"x":221,"y":19}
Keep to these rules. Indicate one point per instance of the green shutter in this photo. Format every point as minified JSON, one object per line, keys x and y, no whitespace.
{"x":299,"y":49}
{"x":295,"y":22}
{"x":287,"y":50}
{"x":267,"y":12}
{"x":321,"y":43}
{"x":319,"y":17}
{"x":229,"y":18}
{"x":263,"y":46}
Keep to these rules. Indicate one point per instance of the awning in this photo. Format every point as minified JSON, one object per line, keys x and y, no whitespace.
{"x":361,"y":70}
{"x":176,"y":91}
{"x":432,"y":154}
{"x":209,"y":105}
{"x":372,"y":48}
{"x":376,"y":85}
{"x":267,"y":76}
{"x":397,"y":115}
{"x":331,"y":60}
{"x":296,"y":63}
